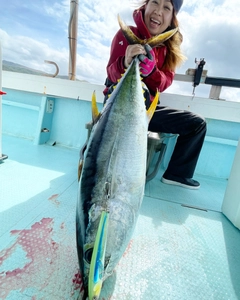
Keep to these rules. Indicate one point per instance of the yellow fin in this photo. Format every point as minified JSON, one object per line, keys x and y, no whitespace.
{"x":153,"y":41}
{"x":127,"y":32}
{"x":80,"y":166}
{"x":153,"y":106}
{"x":161,"y":38}
{"x":95,"y":112}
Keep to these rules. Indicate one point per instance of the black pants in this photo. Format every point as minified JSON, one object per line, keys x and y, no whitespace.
{"x":191,"y":129}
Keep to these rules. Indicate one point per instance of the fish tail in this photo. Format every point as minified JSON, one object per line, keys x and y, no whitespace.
{"x":153,"y":41}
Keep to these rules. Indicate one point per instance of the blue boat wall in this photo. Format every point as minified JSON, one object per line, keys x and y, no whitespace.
{"x":55,"y":111}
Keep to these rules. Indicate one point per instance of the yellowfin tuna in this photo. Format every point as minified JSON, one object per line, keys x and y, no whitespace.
{"x":112,"y":177}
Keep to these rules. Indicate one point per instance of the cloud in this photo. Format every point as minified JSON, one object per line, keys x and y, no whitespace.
{"x":31,"y":52}
{"x":209,"y":27}
{"x":97,"y":27}
{"x":58,"y":10}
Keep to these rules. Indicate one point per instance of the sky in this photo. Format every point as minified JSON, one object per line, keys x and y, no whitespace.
{"x":34,"y":31}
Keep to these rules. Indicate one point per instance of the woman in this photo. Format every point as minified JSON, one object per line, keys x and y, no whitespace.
{"x":158,"y":66}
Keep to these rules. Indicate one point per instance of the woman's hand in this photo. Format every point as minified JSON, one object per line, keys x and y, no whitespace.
{"x":131,"y":52}
{"x":147,"y":62}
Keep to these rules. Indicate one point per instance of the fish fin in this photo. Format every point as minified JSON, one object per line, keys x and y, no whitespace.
{"x":153,"y":41}
{"x":153,"y":106}
{"x":127,"y":32}
{"x":95,"y":279}
{"x":81,"y":159}
{"x":159,"y":39}
{"x":80,"y":166}
{"x":143,"y":95}
{"x":95,"y":113}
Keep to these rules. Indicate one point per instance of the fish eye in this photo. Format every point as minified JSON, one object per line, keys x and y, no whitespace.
{"x":88,"y":255}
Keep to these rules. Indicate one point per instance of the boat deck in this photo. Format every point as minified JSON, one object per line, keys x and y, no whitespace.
{"x":183,"y":247}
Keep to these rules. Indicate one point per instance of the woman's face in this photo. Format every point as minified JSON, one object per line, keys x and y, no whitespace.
{"x":158,"y":16}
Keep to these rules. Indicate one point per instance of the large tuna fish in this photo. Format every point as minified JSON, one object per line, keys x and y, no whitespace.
{"x":112,"y":180}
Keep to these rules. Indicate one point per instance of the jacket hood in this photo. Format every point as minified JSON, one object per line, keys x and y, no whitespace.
{"x":138,"y":19}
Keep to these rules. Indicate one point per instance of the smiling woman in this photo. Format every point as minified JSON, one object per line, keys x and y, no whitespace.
{"x":158,"y":16}
{"x":157,"y":67}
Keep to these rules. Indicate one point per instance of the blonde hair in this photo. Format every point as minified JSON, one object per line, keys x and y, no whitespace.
{"x":174,"y":57}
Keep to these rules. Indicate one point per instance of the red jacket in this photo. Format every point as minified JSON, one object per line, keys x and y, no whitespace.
{"x":159,"y":79}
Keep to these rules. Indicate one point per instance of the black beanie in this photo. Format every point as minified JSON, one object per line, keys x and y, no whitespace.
{"x":177,"y":5}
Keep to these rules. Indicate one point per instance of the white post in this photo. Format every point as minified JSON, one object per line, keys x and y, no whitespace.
{"x":231,"y":201}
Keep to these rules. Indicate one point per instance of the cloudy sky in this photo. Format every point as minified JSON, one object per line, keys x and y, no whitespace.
{"x":34,"y":31}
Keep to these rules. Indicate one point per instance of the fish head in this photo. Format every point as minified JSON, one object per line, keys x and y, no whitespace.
{"x":128,"y":95}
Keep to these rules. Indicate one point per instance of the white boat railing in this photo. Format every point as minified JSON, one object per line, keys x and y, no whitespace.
{"x":216,"y":83}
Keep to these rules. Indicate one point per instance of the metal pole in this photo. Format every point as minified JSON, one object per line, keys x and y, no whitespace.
{"x":72,"y":36}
